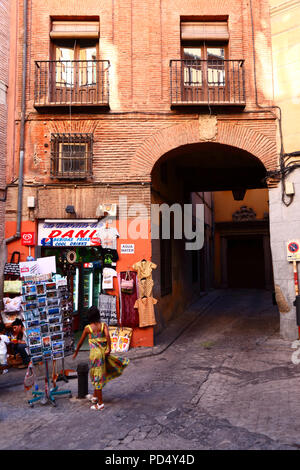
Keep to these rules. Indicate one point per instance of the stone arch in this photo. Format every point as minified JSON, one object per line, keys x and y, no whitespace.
{"x":205,"y":130}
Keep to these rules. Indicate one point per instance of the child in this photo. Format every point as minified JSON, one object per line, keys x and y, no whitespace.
{"x":4,"y":341}
{"x":103,"y":366}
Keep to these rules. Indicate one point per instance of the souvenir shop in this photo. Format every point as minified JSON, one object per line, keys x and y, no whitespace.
{"x":87,"y":254}
{"x":89,"y":263}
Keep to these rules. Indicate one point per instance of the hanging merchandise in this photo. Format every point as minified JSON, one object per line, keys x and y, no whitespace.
{"x":110,"y":257}
{"x":29,"y":379}
{"x":108,"y":237}
{"x":120,"y":339}
{"x":12,"y":305}
{"x":127,"y":284}
{"x":128,"y":295}
{"x":145,"y":306}
{"x":12,"y":268}
{"x":108,"y":281}
{"x":144,"y":268}
{"x":107,"y":305}
{"x":66,"y":306}
{"x":12,"y":287}
{"x":145,"y":287}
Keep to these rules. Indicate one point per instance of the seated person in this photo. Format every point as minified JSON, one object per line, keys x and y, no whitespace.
{"x":19,"y":342}
{"x":4,"y":341}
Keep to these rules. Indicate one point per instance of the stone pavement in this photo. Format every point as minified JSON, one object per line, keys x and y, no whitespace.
{"x":220,"y":377}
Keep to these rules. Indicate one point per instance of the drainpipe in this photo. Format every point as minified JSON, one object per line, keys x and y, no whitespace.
{"x":17,"y":235}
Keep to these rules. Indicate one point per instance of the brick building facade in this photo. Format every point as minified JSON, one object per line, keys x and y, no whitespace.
{"x":173,"y":98}
{"x":4,"y":81}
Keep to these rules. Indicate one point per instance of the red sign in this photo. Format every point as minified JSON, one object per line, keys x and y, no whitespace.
{"x":28,"y":238}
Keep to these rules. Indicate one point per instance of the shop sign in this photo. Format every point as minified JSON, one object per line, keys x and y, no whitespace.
{"x":293,"y":250}
{"x":27,"y":238}
{"x":69,"y":234}
{"x":127,"y":248}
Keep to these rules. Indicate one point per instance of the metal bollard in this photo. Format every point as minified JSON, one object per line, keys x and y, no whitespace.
{"x":82,"y":373}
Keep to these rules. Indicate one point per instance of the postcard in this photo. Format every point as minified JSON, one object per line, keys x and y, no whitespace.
{"x":33,"y":332}
{"x":53,"y":311}
{"x":46,"y":342}
{"x":51,"y":294}
{"x":41,"y":289}
{"x":41,"y":301}
{"x":28,"y":289}
{"x":34,"y":341}
{"x":32,"y":323}
{"x":57,"y":336}
{"x":28,"y":316}
{"x":30,"y":297}
{"x":58,"y":354}
{"x":43,"y":317}
{"x":29,"y":306}
{"x":55,"y":319}
{"x":35,"y":350}
{"x":53,"y":302}
{"x":51,"y":286}
{"x":57,"y":345}
{"x":45,"y":329}
{"x":37,"y":359}
{"x":47,"y":354}
{"x":55,"y":328}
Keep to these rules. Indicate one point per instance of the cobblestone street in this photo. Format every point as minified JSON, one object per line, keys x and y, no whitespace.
{"x":227,"y":382}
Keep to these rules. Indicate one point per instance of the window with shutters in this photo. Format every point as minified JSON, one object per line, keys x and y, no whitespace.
{"x":75,"y":75}
{"x":205,"y":73}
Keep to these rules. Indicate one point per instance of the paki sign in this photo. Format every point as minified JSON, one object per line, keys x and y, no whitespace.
{"x":69,"y":234}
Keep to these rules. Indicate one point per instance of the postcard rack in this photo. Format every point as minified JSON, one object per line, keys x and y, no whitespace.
{"x":41,"y":302}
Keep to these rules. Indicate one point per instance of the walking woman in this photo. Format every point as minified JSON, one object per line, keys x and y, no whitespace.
{"x":103,"y":365}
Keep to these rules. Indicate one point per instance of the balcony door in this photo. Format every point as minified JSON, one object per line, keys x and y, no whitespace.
{"x":204,"y":72}
{"x":74,"y":71}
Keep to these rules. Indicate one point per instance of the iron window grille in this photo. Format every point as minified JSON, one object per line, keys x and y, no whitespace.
{"x":71,"y":155}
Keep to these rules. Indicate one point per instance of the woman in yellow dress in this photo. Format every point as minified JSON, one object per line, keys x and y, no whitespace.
{"x":103,"y":365}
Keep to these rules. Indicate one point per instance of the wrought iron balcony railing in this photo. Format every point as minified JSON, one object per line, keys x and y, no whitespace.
{"x":71,"y":155}
{"x":71,"y":82}
{"x":207,"y":82}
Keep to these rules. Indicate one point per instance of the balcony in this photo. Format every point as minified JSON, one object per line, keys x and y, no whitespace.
{"x":79,"y":83}
{"x":214,"y":82}
{"x":71,"y":156}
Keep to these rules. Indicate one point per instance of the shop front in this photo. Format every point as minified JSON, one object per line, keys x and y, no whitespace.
{"x":97,"y":262}
{"x":78,"y":256}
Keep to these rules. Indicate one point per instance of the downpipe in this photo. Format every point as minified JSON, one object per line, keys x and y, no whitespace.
{"x":17,"y":235}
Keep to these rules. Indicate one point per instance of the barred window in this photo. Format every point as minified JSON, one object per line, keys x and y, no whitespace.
{"x":71,"y":155}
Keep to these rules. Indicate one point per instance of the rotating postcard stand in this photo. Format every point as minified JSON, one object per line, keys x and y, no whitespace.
{"x":44,"y":330}
{"x":49,"y":394}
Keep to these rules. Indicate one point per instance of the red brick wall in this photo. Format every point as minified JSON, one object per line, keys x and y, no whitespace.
{"x":139,"y":38}
{"x":4,"y":47}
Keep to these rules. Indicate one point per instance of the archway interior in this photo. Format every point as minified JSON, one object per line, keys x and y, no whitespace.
{"x":213,"y":167}
{"x":195,"y":174}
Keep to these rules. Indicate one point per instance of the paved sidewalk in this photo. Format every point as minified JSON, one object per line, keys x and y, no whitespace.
{"x":220,"y":377}
{"x":167,"y":337}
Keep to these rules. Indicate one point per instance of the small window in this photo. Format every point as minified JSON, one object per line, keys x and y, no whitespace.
{"x":71,"y":155}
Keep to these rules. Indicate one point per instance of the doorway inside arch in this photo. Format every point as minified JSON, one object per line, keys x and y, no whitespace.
{"x":230,"y":185}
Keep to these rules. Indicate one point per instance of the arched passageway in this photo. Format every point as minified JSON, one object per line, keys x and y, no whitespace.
{"x":229,"y":183}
